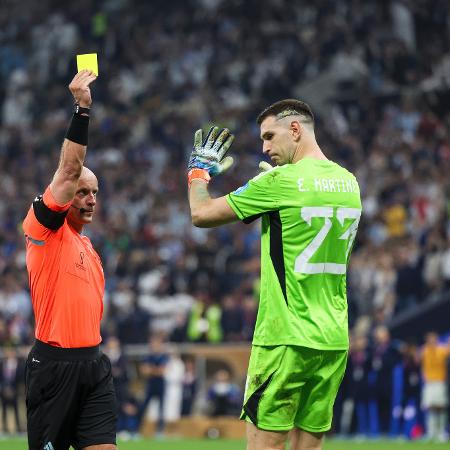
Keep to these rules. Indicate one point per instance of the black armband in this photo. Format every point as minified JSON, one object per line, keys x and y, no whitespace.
{"x":78,"y":129}
{"x":46,"y":216}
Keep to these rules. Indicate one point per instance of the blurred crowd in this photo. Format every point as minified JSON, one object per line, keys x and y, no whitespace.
{"x":395,"y":389}
{"x":390,"y":388}
{"x":376,"y":73}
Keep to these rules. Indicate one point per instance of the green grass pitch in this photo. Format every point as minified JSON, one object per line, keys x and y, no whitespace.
{"x":191,"y":444}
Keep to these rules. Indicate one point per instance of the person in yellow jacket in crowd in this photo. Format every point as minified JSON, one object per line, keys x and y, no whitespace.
{"x":434,"y":393}
{"x":204,"y":324}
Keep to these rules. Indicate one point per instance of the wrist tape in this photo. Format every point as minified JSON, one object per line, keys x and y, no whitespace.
{"x":198,"y":174}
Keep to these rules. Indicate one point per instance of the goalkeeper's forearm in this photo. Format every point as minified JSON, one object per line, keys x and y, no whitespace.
{"x":207,"y":212}
{"x":198,"y":201}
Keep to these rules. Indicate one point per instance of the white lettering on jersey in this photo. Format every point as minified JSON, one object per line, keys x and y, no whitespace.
{"x":333,"y":185}
{"x":301,"y":188}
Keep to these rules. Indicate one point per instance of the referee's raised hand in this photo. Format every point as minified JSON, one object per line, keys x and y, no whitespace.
{"x":79,"y":87}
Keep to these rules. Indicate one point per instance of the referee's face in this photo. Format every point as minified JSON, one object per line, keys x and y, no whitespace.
{"x":278,"y":143}
{"x":85,"y":200}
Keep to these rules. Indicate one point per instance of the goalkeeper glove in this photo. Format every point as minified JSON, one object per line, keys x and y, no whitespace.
{"x":207,"y":158}
{"x":264,"y":166}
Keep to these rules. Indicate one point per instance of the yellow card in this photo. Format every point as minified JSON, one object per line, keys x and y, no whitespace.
{"x":88,"y":61}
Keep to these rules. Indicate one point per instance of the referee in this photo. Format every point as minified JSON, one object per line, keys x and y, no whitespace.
{"x":70,"y":396}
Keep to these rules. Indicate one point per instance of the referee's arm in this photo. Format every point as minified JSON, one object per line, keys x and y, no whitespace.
{"x":73,"y":151}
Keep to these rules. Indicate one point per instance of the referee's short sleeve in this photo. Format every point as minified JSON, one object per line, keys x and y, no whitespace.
{"x":44,"y":216}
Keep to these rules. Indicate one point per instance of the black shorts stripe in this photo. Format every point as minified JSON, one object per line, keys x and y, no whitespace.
{"x":46,"y":216}
{"x":276,"y":250}
{"x":251,"y":407}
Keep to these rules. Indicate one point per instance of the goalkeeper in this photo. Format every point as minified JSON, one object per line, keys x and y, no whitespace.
{"x":310,"y":209}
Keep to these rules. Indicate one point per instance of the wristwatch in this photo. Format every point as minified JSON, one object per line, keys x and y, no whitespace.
{"x":80,"y":109}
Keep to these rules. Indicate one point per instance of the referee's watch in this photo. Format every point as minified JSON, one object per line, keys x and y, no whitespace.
{"x":80,"y":109}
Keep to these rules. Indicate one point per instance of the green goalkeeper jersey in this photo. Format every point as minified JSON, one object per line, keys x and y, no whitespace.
{"x":310,"y":213}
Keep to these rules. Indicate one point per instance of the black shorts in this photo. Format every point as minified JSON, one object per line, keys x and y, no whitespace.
{"x":70,"y":398}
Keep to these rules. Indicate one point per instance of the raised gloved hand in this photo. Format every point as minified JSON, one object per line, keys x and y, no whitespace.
{"x":207,"y":158}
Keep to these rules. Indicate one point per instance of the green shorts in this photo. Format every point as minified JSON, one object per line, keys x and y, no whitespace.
{"x":289,"y":386}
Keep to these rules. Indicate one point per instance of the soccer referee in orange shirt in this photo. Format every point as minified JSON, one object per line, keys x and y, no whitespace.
{"x":69,"y":388}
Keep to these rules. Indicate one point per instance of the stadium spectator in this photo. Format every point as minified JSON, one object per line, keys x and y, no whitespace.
{"x":128,"y":421}
{"x":358,"y":389}
{"x":119,"y":369}
{"x":385,"y":356}
{"x":412,"y":387}
{"x":249,"y":312}
{"x":435,"y":394}
{"x":409,"y":281}
{"x":11,"y":375}
{"x":127,"y":405}
{"x":153,"y":369}
{"x":204,"y":323}
{"x":134,"y":326}
{"x":232,"y":319}
{"x":223,"y":395}
{"x":190,"y":386}
{"x":179,"y":331}
{"x":174,"y":375}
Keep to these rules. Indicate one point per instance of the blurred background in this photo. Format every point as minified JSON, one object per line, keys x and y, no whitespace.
{"x":181,"y":302}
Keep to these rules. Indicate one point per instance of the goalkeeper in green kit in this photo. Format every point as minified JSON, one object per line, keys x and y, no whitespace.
{"x":310,"y":209}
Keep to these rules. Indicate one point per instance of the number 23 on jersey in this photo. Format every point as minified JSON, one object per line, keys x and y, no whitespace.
{"x":347,"y":221}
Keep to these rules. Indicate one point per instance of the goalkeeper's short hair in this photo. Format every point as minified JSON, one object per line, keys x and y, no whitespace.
{"x":288,"y":107}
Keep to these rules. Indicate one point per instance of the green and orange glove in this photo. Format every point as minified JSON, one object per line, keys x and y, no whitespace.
{"x":208,"y":156}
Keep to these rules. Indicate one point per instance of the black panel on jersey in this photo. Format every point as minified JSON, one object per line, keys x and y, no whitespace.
{"x":47,"y":217}
{"x":250,"y":219}
{"x":276,"y":249}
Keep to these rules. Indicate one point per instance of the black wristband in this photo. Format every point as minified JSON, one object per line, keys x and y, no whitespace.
{"x":78,"y":129}
{"x":80,"y":109}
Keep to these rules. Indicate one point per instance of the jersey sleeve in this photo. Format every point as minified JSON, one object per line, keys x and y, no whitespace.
{"x":44,"y":216}
{"x":260,"y":195}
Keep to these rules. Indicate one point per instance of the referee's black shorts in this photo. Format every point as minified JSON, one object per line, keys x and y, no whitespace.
{"x":70,"y":398}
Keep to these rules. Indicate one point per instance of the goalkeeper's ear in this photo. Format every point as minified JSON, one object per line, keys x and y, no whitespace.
{"x":264,"y":166}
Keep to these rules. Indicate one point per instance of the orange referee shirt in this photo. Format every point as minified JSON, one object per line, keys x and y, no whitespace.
{"x":66,"y":277}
